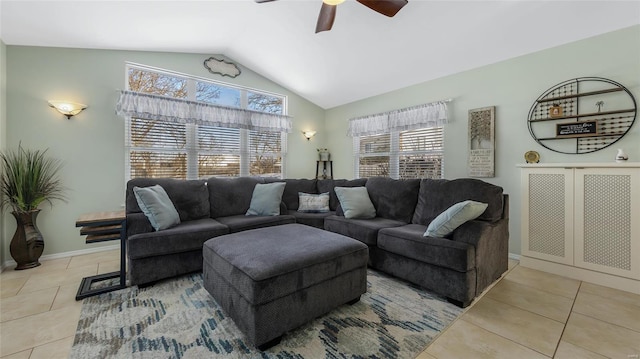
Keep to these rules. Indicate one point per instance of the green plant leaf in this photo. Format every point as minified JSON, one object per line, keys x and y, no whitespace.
{"x":29,"y":177}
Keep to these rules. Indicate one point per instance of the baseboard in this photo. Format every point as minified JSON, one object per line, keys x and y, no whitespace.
{"x":515,"y":257}
{"x":586,"y":275}
{"x":11,"y":263}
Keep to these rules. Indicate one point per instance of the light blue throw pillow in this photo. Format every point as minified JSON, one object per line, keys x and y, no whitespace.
{"x":156,"y":205}
{"x":355,"y":202}
{"x":454,"y":217}
{"x":266,"y":199}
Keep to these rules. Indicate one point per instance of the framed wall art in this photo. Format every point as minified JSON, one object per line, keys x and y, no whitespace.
{"x":482,"y":142}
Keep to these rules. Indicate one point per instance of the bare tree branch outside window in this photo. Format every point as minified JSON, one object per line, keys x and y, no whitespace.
{"x":161,"y":149}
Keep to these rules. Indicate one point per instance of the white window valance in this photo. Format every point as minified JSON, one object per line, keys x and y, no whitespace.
{"x":432,"y":114}
{"x":160,"y":108}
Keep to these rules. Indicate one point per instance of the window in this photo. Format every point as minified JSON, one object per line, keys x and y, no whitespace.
{"x":189,"y":151}
{"x":373,"y":153}
{"x":401,"y":154}
{"x":420,"y":153}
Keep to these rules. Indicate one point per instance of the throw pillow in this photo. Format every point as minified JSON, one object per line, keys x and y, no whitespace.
{"x":156,"y":205}
{"x":456,"y":215}
{"x":266,"y":199}
{"x":313,"y":203}
{"x":355,"y":202}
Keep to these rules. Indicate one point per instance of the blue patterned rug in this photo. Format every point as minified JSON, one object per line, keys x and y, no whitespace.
{"x":179,"y":319}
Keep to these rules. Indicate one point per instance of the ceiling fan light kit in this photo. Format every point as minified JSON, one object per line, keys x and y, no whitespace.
{"x":328,"y":10}
{"x":333,"y":2}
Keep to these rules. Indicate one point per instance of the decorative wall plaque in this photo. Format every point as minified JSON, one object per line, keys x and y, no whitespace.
{"x":482,"y":142}
{"x":595,"y":113}
{"x":577,"y":129}
{"x":221,"y":67}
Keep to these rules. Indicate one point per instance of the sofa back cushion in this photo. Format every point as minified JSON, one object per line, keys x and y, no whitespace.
{"x":327,"y":185}
{"x":437,"y":195}
{"x":231,"y":196}
{"x":394,"y":199}
{"x":190,"y":197}
{"x":290,"y":195}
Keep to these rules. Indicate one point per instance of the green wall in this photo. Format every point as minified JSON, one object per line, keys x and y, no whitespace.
{"x":511,"y":86}
{"x":91,"y":144}
{"x":3,"y":126}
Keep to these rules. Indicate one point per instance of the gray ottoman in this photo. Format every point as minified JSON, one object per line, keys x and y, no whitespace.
{"x":274,"y":279}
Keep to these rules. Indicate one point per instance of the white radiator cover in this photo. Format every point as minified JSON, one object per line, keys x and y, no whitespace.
{"x":583,"y":221}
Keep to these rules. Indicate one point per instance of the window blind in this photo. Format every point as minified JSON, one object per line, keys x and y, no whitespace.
{"x":185,"y":127}
{"x":265,"y":153}
{"x":420,"y":153}
{"x":405,"y":154}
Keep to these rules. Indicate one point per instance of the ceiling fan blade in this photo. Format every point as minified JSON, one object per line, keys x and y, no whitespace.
{"x":385,"y":7}
{"x":326,"y":17}
{"x":261,"y":1}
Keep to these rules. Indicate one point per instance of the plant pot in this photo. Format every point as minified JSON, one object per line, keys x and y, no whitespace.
{"x":27,"y":243}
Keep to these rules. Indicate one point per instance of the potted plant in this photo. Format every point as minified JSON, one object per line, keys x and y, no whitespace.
{"x":29,"y":177}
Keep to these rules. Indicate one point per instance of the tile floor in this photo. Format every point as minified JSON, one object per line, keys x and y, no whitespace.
{"x":527,"y":314}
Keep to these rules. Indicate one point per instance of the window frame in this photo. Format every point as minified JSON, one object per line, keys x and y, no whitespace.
{"x":395,"y":153}
{"x":192,"y":148}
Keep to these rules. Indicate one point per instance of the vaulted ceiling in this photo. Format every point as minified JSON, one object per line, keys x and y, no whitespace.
{"x":365,"y":53}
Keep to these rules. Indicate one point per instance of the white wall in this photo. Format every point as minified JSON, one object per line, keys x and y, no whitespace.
{"x":511,"y":86}
{"x":91,"y":144}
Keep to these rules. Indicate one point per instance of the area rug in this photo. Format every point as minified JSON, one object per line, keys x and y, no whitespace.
{"x":179,"y":319}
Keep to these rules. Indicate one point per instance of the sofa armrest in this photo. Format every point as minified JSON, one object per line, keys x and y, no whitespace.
{"x":472,"y":232}
{"x":491,"y":241}
{"x":138,"y":223}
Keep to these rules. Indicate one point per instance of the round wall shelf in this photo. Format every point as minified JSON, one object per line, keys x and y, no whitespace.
{"x":582,"y":115}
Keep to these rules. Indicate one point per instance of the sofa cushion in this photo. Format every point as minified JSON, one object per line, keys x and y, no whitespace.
{"x":437,"y":195}
{"x":327,"y":185}
{"x":157,"y":206}
{"x":409,"y":242}
{"x":241,"y":222}
{"x":394,"y":199}
{"x":454,"y":217}
{"x":355,"y":202}
{"x":231,"y":196}
{"x":266,"y":198}
{"x":313,"y":203}
{"x":186,"y":236}
{"x":311,"y":219}
{"x":190,"y":197}
{"x":364,"y":230}
{"x":293,"y":187}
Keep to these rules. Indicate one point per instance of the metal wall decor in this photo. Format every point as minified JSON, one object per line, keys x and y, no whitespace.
{"x":222,"y":67}
{"x":482,"y":142}
{"x":582,"y":115}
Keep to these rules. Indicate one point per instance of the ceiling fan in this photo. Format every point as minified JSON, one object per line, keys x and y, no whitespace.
{"x":328,"y":10}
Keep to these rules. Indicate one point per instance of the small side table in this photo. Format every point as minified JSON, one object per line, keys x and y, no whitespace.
{"x":324,"y":174}
{"x":100,"y":227}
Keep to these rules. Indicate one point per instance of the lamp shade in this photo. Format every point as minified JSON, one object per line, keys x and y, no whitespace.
{"x":308,"y":134}
{"x":67,"y":108}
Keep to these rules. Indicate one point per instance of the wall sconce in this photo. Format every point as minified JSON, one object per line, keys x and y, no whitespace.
{"x":67,"y":108}
{"x":308,"y":134}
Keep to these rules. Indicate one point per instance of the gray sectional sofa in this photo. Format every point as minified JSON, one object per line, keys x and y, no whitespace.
{"x":458,"y":267}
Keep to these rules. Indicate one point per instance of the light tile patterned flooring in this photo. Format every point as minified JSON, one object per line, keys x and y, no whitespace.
{"x":527,"y":314}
